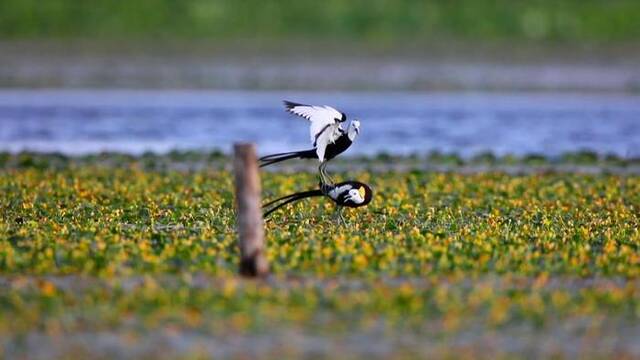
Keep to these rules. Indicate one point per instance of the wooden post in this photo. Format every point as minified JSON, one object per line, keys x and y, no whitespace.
{"x":253,"y":260}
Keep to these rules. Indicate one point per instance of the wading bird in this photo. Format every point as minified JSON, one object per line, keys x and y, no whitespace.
{"x":351,"y":194}
{"x":327,"y":135}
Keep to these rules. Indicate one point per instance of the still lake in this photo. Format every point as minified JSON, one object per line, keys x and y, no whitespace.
{"x":88,"y":121}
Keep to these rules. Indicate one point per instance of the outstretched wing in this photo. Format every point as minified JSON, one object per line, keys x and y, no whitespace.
{"x":325,"y":121}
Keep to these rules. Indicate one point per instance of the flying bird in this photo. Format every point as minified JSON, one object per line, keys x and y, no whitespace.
{"x":328,"y":137}
{"x":351,"y":194}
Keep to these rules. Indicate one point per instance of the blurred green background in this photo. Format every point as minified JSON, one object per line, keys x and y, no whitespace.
{"x":588,"y":21}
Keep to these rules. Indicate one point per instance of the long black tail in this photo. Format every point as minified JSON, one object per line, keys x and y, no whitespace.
{"x":289,"y":199}
{"x":276,"y":158}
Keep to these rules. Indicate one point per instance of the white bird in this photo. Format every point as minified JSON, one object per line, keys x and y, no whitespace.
{"x":328,"y":137}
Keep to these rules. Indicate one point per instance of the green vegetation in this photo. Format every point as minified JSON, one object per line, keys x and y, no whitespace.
{"x":449,"y":260}
{"x":373,"y":21}
{"x":97,"y":221}
{"x":217,"y":159}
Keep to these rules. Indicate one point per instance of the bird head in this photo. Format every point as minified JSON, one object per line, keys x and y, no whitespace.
{"x":354,"y":129}
{"x":358,"y":196}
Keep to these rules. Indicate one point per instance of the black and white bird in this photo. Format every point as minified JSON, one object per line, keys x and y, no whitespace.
{"x":350,"y":194}
{"x":328,"y":137}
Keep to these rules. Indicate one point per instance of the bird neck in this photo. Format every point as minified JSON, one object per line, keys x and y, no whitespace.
{"x":352,"y":134}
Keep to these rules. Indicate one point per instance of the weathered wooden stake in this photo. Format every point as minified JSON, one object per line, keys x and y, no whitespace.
{"x":253,"y":261}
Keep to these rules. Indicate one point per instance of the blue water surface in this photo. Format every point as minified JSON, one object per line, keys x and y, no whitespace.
{"x":89,"y":121}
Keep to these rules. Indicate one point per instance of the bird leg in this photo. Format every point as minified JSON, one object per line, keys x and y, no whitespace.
{"x":340,"y":218}
{"x":321,"y":176}
{"x":324,"y":177}
{"x":329,"y":177}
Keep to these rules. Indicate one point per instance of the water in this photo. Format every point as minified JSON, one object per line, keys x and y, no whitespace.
{"x":89,"y":121}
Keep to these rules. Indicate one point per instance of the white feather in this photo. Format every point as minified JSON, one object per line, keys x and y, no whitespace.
{"x":321,"y":144}
{"x":324,"y":120}
{"x":339,"y":190}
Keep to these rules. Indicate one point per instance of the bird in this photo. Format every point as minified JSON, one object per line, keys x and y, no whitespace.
{"x":352,"y":194}
{"x":328,"y":137}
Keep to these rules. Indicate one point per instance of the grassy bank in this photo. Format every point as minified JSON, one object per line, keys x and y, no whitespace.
{"x":119,"y":260}
{"x":586,"y":161}
{"x":380,"y":21}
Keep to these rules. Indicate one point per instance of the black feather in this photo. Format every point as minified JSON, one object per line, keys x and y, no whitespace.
{"x":290,"y":104}
{"x":276,"y":158}
{"x":289,"y":199}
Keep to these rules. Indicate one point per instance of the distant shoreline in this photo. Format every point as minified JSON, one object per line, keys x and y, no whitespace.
{"x":579,"y":162}
{"x":342,"y":67}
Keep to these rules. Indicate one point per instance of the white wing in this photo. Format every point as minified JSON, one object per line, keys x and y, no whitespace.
{"x":324,"y":120}
{"x":339,"y":190}
{"x":323,"y":139}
